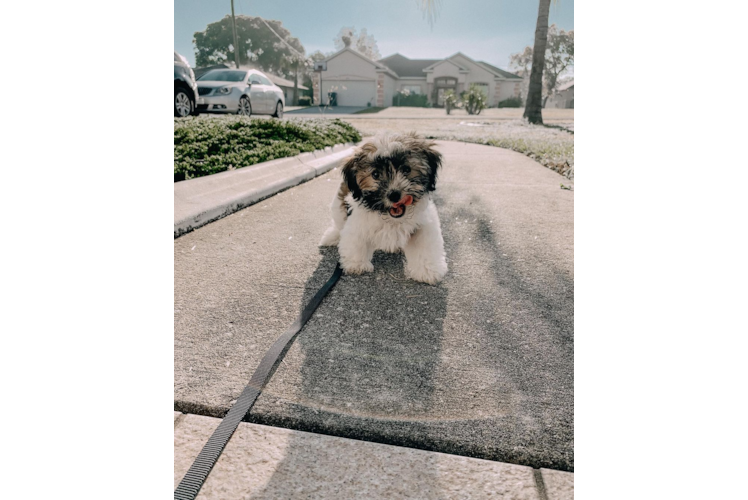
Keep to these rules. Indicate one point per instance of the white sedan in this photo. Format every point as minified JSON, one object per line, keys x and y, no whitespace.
{"x":241,"y":91}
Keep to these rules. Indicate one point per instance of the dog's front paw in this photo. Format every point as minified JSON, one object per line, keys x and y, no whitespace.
{"x":357,"y":267}
{"x":330,"y":238}
{"x":430,"y":273}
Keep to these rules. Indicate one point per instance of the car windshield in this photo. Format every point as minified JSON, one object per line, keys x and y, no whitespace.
{"x":224,"y":75}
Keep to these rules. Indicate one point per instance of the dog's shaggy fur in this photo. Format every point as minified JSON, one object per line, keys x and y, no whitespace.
{"x":384,"y":204}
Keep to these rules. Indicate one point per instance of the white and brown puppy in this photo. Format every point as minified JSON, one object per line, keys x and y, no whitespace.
{"x":384,"y":204}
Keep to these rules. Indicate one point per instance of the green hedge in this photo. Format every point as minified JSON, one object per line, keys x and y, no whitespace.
{"x":208,"y":145}
{"x":415,"y":100}
{"x":512,"y":102}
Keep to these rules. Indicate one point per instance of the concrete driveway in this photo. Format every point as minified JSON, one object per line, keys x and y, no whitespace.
{"x":335,"y":110}
{"x":480,"y":365}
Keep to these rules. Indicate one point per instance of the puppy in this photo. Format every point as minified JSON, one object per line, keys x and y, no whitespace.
{"x":384,"y":203}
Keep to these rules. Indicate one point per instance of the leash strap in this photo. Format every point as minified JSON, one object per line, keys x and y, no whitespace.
{"x":191,"y":483}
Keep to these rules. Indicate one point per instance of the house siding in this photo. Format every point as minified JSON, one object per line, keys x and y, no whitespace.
{"x":421,"y":84}
{"x":479,"y":75}
{"x":349,"y":65}
{"x":507,"y":89}
{"x":349,"y":73}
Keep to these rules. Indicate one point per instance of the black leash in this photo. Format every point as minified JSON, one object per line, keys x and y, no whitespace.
{"x":191,"y":483}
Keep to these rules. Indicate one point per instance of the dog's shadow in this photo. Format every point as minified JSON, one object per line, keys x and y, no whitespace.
{"x":369,"y":358}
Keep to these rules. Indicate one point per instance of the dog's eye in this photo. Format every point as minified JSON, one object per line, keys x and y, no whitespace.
{"x":375,"y":174}
{"x":406,"y":170}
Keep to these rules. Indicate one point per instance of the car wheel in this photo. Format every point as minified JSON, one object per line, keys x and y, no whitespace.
{"x":245,"y":107}
{"x":182,"y":103}
{"x":278,"y":110}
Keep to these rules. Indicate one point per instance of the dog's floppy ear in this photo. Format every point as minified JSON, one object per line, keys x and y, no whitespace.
{"x":349,"y":174}
{"x":425,"y":148}
{"x":434,"y":161}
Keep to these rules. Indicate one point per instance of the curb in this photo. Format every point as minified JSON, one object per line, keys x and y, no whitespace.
{"x":200,"y":201}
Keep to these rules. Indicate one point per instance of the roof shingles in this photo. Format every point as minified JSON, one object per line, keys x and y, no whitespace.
{"x":405,"y":67}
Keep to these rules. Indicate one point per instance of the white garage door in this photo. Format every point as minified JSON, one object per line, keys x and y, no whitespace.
{"x":351,"y":93}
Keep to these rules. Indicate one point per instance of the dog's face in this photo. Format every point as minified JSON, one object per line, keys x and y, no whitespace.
{"x":393,"y":172}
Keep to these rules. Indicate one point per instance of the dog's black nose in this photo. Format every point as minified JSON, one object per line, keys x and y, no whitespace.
{"x":394,"y":196}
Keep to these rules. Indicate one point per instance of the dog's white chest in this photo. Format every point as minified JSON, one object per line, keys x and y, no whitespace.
{"x":392,"y":236}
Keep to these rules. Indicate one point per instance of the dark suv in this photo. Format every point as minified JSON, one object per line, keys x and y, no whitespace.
{"x":185,"y":88}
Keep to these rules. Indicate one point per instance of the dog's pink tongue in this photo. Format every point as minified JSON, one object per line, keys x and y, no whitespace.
{"x":398,"y":208}
{"x":405,"y":201}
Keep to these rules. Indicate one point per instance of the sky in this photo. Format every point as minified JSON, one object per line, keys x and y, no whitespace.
{"x":486,"y":30}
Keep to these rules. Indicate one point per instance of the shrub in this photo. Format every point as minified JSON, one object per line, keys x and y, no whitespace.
{"x":450,"y":100}
{"x":305,"y":100}
{"x":405,"y":98}
{"x":204,"y":146}
{"x":512,"y":102}
{"x":474,"y":100}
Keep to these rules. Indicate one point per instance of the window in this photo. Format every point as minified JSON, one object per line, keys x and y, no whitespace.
{"x":413,"y":89}
{"x":483,"y":87}
{"x":222,"y":75}
{"x":444,"y":81}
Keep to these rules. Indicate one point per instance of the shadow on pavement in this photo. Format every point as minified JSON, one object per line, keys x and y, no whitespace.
{"x":480,"y":365}
{"x":369,"y":356}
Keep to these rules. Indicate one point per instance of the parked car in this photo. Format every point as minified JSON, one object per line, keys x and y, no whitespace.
{"x":185,"y":87}
{"x":241,"y":91}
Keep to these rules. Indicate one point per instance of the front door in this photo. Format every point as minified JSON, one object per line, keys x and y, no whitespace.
{"x":441,"y":86}
{"x":257,"y":94}
{"x":440,"y":97}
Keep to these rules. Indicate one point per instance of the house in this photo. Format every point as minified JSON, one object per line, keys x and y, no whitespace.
{"x":563,"y":97}
{"x":286,"y":86}
{"x":360,"y":81}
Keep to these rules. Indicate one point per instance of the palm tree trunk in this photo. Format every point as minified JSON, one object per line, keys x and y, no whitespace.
{"x":296,"y":85}
{"x":534,"y":105}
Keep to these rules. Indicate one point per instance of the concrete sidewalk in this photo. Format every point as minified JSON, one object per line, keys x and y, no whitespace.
{"x":480,"y":365}
{"x":269,"y":462}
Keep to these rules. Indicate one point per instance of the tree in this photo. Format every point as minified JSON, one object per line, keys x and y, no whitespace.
{"x":361,"y":42}
{"x":430,"y":9}
{"x":534,"y":104}
{"x":258,"y":45}
{"x":559,"y":57}
{"x":521,"y":63}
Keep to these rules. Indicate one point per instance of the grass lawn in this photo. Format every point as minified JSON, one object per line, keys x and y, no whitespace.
{"x":552,"y":147}
{"x":208,"y":146}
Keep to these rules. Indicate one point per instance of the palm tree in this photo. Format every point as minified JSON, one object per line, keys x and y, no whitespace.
{"x":534,"y":104}
{"x":430,"y":9}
